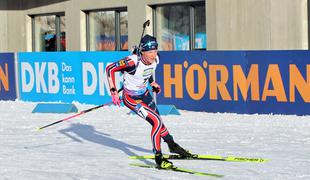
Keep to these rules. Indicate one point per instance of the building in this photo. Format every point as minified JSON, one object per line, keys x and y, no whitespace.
{"x":82,"y":25}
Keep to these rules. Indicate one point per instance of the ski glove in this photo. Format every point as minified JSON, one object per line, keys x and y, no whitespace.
{"x":156,"y":87}
{"x":115,"y":97}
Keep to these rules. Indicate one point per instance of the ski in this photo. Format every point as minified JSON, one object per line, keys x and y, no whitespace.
{"x":206,"y":157}
{"x":177,"y":169}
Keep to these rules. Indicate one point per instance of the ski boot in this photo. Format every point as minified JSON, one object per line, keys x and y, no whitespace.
{"x":162,"y":163}
{"x":175,"y":148}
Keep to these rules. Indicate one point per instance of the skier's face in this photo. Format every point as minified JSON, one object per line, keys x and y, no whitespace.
{"x":149,"y":56}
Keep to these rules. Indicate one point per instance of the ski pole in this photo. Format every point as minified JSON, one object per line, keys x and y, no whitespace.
{"x":70,"y":117}
{"x":82,"y":112}
{"x":137,"y":48}
{"x":146,"y":23}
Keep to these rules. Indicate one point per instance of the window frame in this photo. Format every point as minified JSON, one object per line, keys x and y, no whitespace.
{"x":192,"y":6}
{"x":117,"y":20}
{"x":57,"y":27}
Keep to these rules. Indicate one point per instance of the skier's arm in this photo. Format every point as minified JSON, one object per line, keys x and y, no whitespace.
{"x":155,"y":87}
{"x":121,"y":65}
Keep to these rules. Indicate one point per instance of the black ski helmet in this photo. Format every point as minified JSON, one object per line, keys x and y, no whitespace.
{"x":148,"y":43}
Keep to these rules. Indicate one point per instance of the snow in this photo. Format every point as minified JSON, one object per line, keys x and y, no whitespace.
{"x":96,"y":145}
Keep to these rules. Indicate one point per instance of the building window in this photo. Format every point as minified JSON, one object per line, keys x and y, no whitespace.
{"x":49,"y":33}
{"x":107,"y":30}
{"x":200,"y":27}
{"x":181,"y":27}
{"x":124,"y":30}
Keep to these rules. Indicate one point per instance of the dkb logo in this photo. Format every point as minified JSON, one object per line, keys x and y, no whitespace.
{"x":36,"y":77}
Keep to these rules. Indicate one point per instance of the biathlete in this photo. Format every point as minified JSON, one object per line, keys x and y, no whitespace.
{"x":138,"y":72}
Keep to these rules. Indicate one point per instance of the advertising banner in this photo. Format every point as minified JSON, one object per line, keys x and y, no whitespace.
{"x":66,"y":76}
{"x":7,"y":77}
{"x":236,"y":81}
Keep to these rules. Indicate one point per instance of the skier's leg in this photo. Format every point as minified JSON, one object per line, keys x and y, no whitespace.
{"x":173,"y":147}
{"x":149,"y":101}
{"x":148,"y":114}
{"x":154,"y":119}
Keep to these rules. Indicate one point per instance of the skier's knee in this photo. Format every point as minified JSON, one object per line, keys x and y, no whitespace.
{"x":141,"y":110}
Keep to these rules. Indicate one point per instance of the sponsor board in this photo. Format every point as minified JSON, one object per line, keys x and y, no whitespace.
{"x":236,"y":81}
{"x":66,"y":76}
{"x":7,"y":77}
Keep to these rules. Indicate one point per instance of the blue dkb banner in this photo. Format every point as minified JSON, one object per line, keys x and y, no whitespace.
{"x":66,"y":76}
